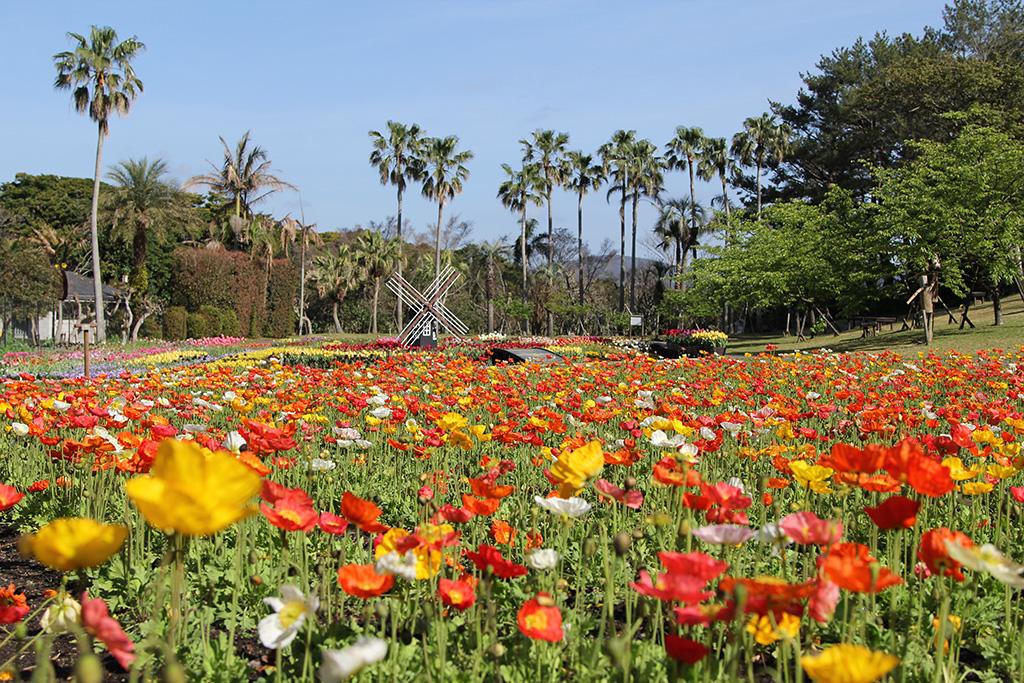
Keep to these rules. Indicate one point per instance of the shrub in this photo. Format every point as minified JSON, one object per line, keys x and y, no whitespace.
{"x":284,"y":288}
{"x":226,"y":280}
{"x":200,"y":325}
{"x":176,"y":323}
{"x":151,"y":328}
{"x":214,"y":321}
{"x":229,"y":323}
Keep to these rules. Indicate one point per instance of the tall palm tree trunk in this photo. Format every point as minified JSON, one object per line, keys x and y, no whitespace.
{"x":437,"y":239}
{"x":551,"y":255}
{"x":401,"y":308}
{"x":579,"y":245}
{"x":101,"y":321}
{"x":759,"y":189}
{"x":693,"y":205}
{"x":522,"y":258}
{"x":337,"y":321}
{"x":622,"y":250}
{"x":632,"y":258}
{"x":490,"y":293}
{"x":725,"y":200}
{"x":138,"y":249}
{"x":376,"y":299}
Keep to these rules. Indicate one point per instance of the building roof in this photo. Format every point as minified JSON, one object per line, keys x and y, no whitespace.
{"x":81,"y":287}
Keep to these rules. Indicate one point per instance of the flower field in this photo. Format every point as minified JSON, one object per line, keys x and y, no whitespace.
{"x":314,"y":512}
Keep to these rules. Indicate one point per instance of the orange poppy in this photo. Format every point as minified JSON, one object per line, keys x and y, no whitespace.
{"x":363,"y":581}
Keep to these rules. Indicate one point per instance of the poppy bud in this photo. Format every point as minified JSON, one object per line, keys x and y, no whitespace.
{"x":589,"y":547}
{"x":383,"y":610}
{"x":622,"y":542}
{"x":256,"y":580}
{"x":684,"y":529}
{"x":174,"y":672}
{"x":561,"y":585}
{"x":497,"y":650}
{"x":89,"y":669}
{"x":20,"y":630}
{"x":638,"y":534}
{"x":629,"y":484}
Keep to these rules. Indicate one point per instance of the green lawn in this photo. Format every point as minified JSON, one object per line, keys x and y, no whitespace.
{"x":948,"y":337}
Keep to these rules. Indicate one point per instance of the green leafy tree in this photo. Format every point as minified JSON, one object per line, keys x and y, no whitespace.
{"x":98,"y":71}
{"x":959,"y":205}
{"x":396,"y":155}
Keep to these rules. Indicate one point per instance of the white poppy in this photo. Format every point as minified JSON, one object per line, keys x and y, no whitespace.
{"x":732,"y":427}
{"x":399,"y":565}
{"x":321,"y":465}
{"x":19,"y":428}
{"x":340,"y":665}
{"x":989,"y":559}
{"x":59,"y":617}
{"x":61,"y":406}
{"x":234,"y":442}
{"x":570,"y":507}
{"x":660,"y":439}
{"x":290,"y":611}
{"x":542,"y":559}
{"x":381,"y":413}
{"x":707,"y":434}
{"x":737,"y":483}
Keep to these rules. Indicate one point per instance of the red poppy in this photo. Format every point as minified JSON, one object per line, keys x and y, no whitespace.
{"x":363,"y":581}
{"x":488,"y":558}
{"x":1018,"y":493}
{"x":684,"y":650}
{"x":485,"y":488}
{"x":97,"y":621}
{"x":332,"y":523}
{"x":850,"y":566}
{"x":450,"y":513}
{"x":13,"y":606}
{"x":480,"y":506}
{"x":936,"y":557}
{"x":806,"y":528}
{"x":291,"y":512}
{"x":9,"y":497}
{"x":850,"y":459}
{"x":632,"y":498}
{"x":895,"y":512}
{"x":458,"y":594}
{"x":671,"y":587}
{"x":698,"y":565}
{"x":822,"y":604}
{"x":539,"y":619}
{"x":38,"y":486}
{"x":362,"y":513}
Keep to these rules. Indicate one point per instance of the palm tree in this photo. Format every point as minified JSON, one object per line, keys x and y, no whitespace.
{"x":674,"y":229}
{"x":140,"y":199}
{"x":547,"y":149}
{"x":336,"y":274}
{"x":615,"y":155}
{"x":244,"y":176}
{"x":99,"y":73}
{"x":681,"y":153}
{"x":517,"y":192}
{"x":377,"y":256}
{"x":583,"y":177}
{"x":396,"y":156}
{"x":305,"y":234}
{"x":262,"y":238}
{"x":493,"y":253}
{"x":645,"y":180}
{"x":444,"y":173}
{"x":714,"y":159}
{"x":761,"y":141}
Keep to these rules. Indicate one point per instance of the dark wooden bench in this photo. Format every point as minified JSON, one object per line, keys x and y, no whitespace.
{"x":872,"y":325}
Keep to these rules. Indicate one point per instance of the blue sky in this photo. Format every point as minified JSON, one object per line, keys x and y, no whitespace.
{"x":311,"y":78}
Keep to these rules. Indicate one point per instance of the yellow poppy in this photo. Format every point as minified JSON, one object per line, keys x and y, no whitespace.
{"x":766,"y":633}
{"x":575,"y":468}
{"x":72,"y":543}
{"x":193,"y":491}
{"x":846,"y":663}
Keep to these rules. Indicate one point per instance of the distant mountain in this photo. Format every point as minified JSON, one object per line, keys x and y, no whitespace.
{"x":610,"y":270}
